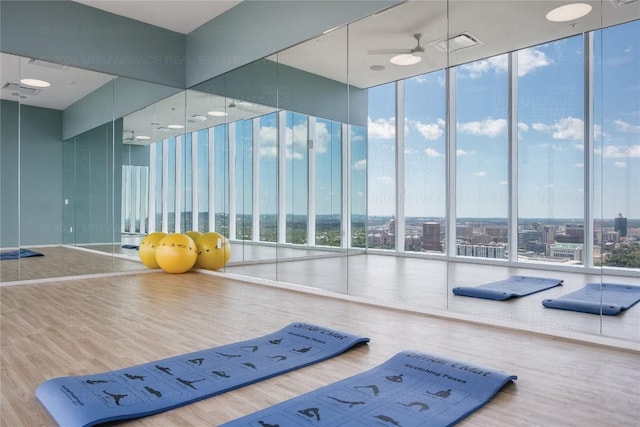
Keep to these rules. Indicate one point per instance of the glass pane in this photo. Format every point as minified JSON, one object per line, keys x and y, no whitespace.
{"x":381,"y":167}
{"x":268,"y":158}
{"x":296,"y":171}
{"x":551,"y":152}
{"x":202,"y":147}
{"x":425,"y":163}
{"x":244,"y":178}
{"x":482,"y":158}
{"x":358,"y":186}
{"x":327,"y":145}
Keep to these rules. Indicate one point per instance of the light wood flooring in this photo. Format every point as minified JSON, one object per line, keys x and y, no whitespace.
{"x":92,"y":325}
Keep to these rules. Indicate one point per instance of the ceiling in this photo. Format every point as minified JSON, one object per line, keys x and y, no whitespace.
{"x":181,"y":16}
{"x":343,"y":54}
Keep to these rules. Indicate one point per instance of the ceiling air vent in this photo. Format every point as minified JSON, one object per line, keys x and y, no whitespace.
{"x":47,"y":64}
{"x":22,"y":90}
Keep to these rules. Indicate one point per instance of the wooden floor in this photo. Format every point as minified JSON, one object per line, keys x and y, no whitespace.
{"x":92,"y":325}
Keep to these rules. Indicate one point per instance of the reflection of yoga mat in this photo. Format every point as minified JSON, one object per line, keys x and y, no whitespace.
{"x":515,"y":286}
{"x":608,"y":298}
{"x":136,"y":247}
{"x":410,"y":389}
{"x":21,"y":253}
{"x":154,"y":387}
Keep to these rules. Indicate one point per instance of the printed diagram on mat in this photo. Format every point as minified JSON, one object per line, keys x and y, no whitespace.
{"x":411,"y":389}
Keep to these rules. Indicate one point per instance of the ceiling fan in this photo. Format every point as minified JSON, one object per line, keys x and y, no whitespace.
{"x":418,"y":50}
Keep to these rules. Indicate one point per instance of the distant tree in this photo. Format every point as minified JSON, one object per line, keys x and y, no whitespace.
{"x":627,"y":255}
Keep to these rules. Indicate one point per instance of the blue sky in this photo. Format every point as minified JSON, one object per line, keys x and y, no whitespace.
{"x":550,"y":134}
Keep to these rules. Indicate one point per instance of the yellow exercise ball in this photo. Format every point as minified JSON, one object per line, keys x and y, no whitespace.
{"x":194,"y":235}
{"x":214,"y":251}
{"x":147,"y":249}
{"x":176,"y":253}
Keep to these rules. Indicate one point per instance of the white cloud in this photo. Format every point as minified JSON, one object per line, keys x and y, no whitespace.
{"x":381,"y":128}
{"x":476,"y":69}
{"x":626,"y":127}
{"x":323,"y":138}
{"x":620,"y":164}
{"x":530,"y":60}
{"x":487,"y":127}
{"x":504,"y":182}
{"x":461,"y":152}
{"x":618,"y":152}
{"x":480,"y":174}
{"x":360,"y":164}
{"x":430,"y":131}
{"x":523,"y":127}
{"x":384,"y":179}
{"x":268,"y":143}
{"x":578,"y":165}
{"x":432,"y":153}
{"x":567,"y":128}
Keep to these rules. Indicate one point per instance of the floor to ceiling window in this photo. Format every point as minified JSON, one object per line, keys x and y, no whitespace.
{"x":551,"y":144}
{"x":425,"y":163}
{"x":381,"y":167}
{"x":327,"y":146}
{"x":617,"y":147}
{"x":268,"y":177}
{"x":297,"y":135}
{"x":482,"y":158}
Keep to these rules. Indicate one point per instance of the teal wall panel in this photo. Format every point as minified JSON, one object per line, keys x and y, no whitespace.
{"x":39,"y":192}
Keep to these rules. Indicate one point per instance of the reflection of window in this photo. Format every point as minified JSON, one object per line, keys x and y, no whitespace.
{"x":243,"y":175}
{"x":169,"y":184}
{"x":135,"y":199}
{"x":616,"y":136}
{"x":268,"y":177}
{"x":551,"y":150}
{"x":482,"y":158}
{"x":297,"y":134}
{"x":381,"y":167}
{"x":358,"y":190}
{"x":425,"y":163}
{"x":327,"y":145}
{"x":202,"y":176}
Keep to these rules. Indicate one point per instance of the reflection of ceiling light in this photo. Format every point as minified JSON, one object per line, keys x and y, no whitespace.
{"x":569,"y":12}
{"x":620,"y":3}
{"x":218,"y":113}
{"x":142,"y":137}
{"x":197,"y":118}
{"x":458,"y":42}
{"x":376,"y":67}
{"x":175,"y":126}
{"x":35,"y":83}
{"x":162,"y":129}
{"x":405,"y":59}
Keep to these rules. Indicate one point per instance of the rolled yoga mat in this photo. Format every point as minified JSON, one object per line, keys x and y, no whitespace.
{"x":513,"y":287}
{"x":411,"y":389}
{"x":20,"y":253}
{"x":146,"y":389}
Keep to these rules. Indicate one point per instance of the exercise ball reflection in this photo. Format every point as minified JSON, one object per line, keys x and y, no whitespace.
{"x":147,"y":249}
{"x":214,"y":251}
{"x":176,"y":253}
{"x":194,"y":235}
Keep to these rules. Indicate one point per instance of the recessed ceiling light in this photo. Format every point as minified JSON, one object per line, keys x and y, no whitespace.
{"x":218,"y":113}
{"x":35,"y":83}
{"x":142,"y":137}
{"x":569,"y":12}
{"x":376,"y":67}
{"x":175,"y":126}
{"x":405,"y":59}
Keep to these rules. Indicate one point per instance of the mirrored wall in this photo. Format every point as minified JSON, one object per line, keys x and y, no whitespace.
{"x":394,"y":159}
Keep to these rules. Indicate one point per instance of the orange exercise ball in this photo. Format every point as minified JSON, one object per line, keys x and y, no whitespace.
{"x":214,"y":251}
{"x":147,"y":249}
{"x":176,"y":253}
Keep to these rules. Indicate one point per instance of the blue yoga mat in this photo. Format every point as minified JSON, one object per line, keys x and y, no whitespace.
{"x":596,"y":298}
{"x":136,"y":247}
{"x":21,"y":253}
{"x":513,"y":287}
{"x":410,"y":389}
{"x":154,"y":387}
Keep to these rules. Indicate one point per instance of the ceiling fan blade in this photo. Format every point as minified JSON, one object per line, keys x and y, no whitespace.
{"x":389,"y":51}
